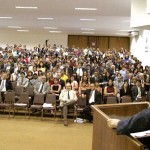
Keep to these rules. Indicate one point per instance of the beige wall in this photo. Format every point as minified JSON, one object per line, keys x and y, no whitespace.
{"x":140,"y":47}
{"x":32,"y":39}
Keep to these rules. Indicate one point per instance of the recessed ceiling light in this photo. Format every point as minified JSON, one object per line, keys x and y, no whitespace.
{"x":88,"y":32}
{"x":22,"y":7}
{"x":88,"y":19}
{"x":50,"y":28}
{"x":55,"y":31}
{"x":23,"y":30}
{"x":122,"y":33}
{"x":6,"y":17}
{"x":14,"y":27}
{"x":124,"y":30}
{"x":45,"y":18}
{"x":87,"y":29}
{"x":86,"y":9}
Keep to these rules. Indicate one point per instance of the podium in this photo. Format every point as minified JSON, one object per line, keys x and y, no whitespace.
{"x":105,"y":138}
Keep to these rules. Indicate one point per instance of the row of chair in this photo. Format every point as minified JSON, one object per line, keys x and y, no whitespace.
{"x":23,"y":103}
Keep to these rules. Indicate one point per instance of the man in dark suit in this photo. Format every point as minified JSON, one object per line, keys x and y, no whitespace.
{"x":92,"y":97}
{"x":5,"y":85}
{"x":137,"y":91}
{"x":136,"y":123}
{"x":95,"y":77}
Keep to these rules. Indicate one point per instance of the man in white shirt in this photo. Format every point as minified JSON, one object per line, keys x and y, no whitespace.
{"x":67,"y":98}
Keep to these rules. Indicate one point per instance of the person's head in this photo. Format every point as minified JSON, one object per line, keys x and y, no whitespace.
{"x":35,"y":76}
{"x":96,"y":74}
{"x":92,"y":86}
{"x":68,"y":86}
{"x":34,"y":68}
{"x":22,"y":74}
{"x":110,"y":82}
{"x":55,"y":81}
{"x":72,"y":78}
{"x":43,"y":78}
{"x":119,"y":78}
{"x":30,"y":73}
{"x":4,"y":75}
{"x":85,"y":78}
{"x":40,"y":73}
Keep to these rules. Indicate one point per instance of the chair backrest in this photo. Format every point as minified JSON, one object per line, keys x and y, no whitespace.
{"x":24,"y":98}
{"x":111,"y":100}
{"x":38,"y":99}
{"x":14,"y":83}
{"x":143,"y":99}
{"x":126,"y":99}
{"x":30,"y":90}
{"x":18,"y":90}
{"x":81,"y":102}
{"x":51,"y":99}
{"x":10,"y":97}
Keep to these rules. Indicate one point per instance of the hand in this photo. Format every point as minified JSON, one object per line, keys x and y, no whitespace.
{"x":112,"y":123}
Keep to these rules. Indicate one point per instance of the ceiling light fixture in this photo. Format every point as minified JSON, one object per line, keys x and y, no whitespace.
{"x":14,"y":27}
{"x":23,"y":30}
{"x":50,"y":28}
{"x":87,"y":29}
{"x":55,"y":31}
{"x":22,"y":7}
{"x":6,"y":17}
{"x":45,"y":18}
{"x":86,"y":9}
{"x":88,"y":19}
{"x":88,"y":32}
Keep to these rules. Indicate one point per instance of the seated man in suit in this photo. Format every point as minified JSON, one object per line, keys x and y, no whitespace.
{"x":92,"y":97}
{"x":137,"y":91}
{"x":67,"y":98}
{"x":136,"y":123}
{"x":42,"y":86}
{"x":5,"y":85}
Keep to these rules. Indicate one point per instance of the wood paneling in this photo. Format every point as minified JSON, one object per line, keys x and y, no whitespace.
{"x":101,"y":42}
{"x":119,"y":42}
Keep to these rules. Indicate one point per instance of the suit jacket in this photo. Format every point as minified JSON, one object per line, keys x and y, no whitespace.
{"x":134,"y":91}
{"x":46,"y":87}
{"x":136,"y":123}
{"x":64,"y":96}
{"x":97,"y":97}
{"x":8,"y":85}
{"x":23,"y":83}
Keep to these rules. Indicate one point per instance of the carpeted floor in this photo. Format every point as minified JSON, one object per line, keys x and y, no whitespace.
{"x":24,"y":134}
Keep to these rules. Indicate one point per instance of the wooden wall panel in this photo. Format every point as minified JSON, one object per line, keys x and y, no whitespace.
{"x":101,"y":42}
{"x":83,"y":42}
{"x":73,"y":40}
{"x":119,"y":42}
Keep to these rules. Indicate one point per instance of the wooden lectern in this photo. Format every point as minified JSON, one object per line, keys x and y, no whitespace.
{"x":105,"y":138}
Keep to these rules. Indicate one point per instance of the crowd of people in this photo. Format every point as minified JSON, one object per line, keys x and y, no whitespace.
{"x":49,"y":67}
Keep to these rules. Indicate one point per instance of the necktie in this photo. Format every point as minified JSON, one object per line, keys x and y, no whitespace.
{"x":68,"y":95}
{"x":41,"y":88}
{"x":91,"y":94}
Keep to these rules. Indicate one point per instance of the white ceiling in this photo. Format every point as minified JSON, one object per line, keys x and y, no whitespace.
{"x":111,"y":16}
